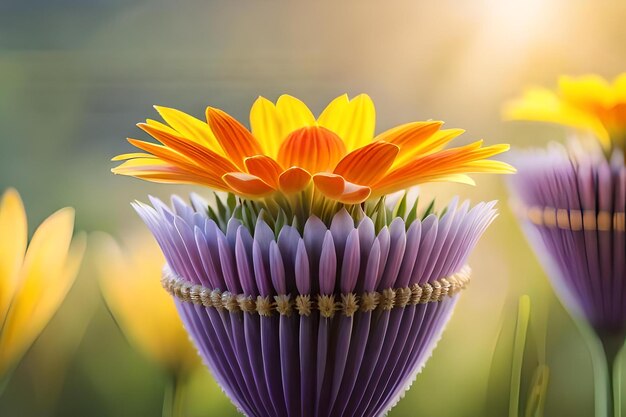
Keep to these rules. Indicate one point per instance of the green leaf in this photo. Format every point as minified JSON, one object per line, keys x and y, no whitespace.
{"x":400,"y":208}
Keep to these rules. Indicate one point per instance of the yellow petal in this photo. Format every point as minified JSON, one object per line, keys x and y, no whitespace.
{"x":368,"y":164}
{"x":314,"y":149}
{"x":132,"y":155}
{"x":294,"y":114}
{"x":266,"y":126}
{"x":13,"y":237}
{"x":585,"y":90}
{"x":43,"y":275}
{"x":246,"y":184}
{"x":337,"y":188}
{"x":354,"y":120}
{"x":543,"y":105}
{"x":619,"y":89}
{"x":188,"y":127}
{"x":293,"y":180}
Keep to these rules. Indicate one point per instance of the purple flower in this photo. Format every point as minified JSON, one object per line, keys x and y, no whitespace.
{"x":573,"y":211}
{"x":315,"y":320}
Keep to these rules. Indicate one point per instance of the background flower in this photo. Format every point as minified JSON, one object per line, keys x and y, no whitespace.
{"x":144,"y":312}
{"x":588,"y":102}
{"x":33,"y":280}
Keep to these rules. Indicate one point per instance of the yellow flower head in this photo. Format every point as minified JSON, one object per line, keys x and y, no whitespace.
{"x":589,"y":103}
{"x":288,"y":149}
{"x":33,"y":280}
{"x":144,"y":311}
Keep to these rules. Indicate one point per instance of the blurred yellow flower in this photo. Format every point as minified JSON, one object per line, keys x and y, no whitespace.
{"x":33,"y":281}
{"x":130,"y":280}
{"x":588,"y":103}
{"x":287,"y":149}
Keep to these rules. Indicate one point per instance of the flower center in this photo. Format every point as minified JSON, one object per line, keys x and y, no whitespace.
{"x":313,"y":148}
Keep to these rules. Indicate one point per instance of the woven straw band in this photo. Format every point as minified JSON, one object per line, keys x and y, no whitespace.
{"x":328,"y":305}
{"x":575,"y":220}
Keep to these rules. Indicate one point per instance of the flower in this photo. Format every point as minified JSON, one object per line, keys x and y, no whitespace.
{"x":315,"y":319}
{"x":144,"y":312}
{"x":574,"y":212}
{"x":588,"y":103}
{"x":33,"y":281}
{"x":288,"y":148}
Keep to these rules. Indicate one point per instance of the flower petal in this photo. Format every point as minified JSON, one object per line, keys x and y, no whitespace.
{"x":353,"y":120}
{"x":265,"y":168}
{"x":13,"y":237}
{"x":203,"y":156}
{"x":156,"y":170}
{"x":187,"y":126}
{"x":411,"y":138}
{"x":246,"y":184}
{"x":337,"y":188}
{"x":444,"y":166}
{"x":294,"y":114}
{"x":368,"y":164}
{"x":293,"y":180}
{"x":266,"y":125}
{"x":42,"y":285}
{"x":233,"y":137}
{"x":543,"y":105}
{"x":314,"y":149}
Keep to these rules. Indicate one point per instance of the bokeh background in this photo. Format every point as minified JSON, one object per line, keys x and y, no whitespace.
{"x":76,"y":75}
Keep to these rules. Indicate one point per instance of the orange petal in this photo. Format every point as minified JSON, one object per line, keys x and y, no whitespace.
{"x":198,"y":153}
{"x":368,"y":164}
{"x":444,"y":165}
{"x":265,"y":168}
{"x":234,"y":138}
{"x":314,"y":148}
{"x":246,"y":184}
{"x":411,"y":137}
{"x":293,"y":180}
{"x":337,"y":188}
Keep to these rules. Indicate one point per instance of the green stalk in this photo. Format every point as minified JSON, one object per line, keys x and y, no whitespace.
{"x":611,"y":346}
{"x":521,"y":328}
{"x":174,"y":396}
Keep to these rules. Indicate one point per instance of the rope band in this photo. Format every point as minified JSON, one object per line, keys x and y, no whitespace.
{"x":575,"y":220}
{"x":327,"y":304}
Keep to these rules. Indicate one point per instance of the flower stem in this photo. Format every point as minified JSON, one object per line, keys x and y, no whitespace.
{"x":612,"y":345}
{"x":173,"y":397}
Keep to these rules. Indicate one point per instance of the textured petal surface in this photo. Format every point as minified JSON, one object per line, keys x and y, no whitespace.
{"x":315,"y":149}
{"x":295,"y":364}
{"x":233,"y":137}
{"x":573,"y":214}
{"x":353,"y":120}
{"x":368,"y":164}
